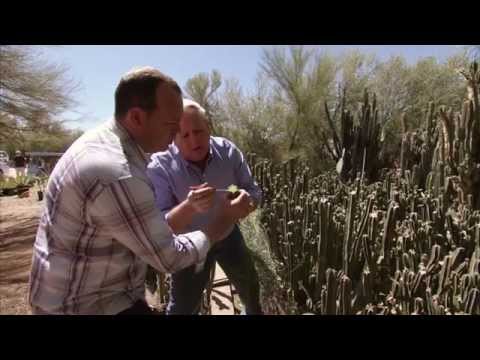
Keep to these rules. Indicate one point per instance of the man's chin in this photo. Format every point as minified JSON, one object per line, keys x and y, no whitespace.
{"x":156,"y":149}
{"x":197,"y":158}
{"x":200,"y":155}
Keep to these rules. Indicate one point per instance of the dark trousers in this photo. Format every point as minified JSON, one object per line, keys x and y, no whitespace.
{"x":233,"y":256}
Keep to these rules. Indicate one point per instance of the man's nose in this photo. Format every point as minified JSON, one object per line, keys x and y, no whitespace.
{"x":193,"y":141}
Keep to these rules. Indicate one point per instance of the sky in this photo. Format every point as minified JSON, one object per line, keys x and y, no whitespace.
{"x":98,"y":68}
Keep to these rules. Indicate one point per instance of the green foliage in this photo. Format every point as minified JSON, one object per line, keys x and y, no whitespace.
{"x":285,"y":117}
{"x":12,"y":186}
{"x":8,"y":183}
{"x":203,"y":89}
{"x":32,"y":91}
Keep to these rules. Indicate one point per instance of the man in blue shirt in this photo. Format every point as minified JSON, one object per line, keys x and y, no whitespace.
{"x":189,"y":178}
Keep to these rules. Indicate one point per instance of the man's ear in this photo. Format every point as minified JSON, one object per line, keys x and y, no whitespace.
{"x":135,"y":118}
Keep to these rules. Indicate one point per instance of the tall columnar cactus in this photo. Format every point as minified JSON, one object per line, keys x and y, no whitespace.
{"x":460,"y":134}
{"x":349,"y":230}
{"x":345,"y":298}
{"x":388,"y":229}
{"x":418,"y":148}
{"x":357,"y":149}
{"x":329,"y":300}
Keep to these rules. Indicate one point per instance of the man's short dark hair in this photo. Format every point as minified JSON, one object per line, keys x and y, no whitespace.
{"x":138,"y":88}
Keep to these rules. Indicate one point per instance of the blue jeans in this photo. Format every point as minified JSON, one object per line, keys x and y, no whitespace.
{"x":233,"y":256}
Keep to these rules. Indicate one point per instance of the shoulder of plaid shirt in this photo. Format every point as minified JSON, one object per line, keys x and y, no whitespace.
{"x":100,"y":228}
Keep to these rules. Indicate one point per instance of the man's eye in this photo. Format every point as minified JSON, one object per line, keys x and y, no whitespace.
{"x":185,"y":136}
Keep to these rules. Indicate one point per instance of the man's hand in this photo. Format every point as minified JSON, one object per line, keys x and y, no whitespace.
{"x":200,"y":198}
{"x":230,"y":212}
{"x":240,"y":206}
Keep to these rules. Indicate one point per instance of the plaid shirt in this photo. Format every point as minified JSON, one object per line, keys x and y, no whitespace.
{"x":99,"y":229}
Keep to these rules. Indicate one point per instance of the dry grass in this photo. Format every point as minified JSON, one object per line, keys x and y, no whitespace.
{"x":272,"y":295}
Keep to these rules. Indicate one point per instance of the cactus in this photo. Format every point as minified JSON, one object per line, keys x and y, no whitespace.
{"x":345,"y":301}
{"x":349,"y":230}
{"x":358,"y":148}
{"x":388,"y":229}
{"x":329,"y":304}
{"x":460,"y":133}
{"x":418,"y":148}
{"x":472,"y":305}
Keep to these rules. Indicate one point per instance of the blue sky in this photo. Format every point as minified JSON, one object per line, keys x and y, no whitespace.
{"x":99,"y":67}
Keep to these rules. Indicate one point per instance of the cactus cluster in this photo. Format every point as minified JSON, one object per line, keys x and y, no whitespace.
{"x":407,"y":243}
{"x":418,"y":147}
{"x":358,"y":147}
{"x":459,"y":150}
{"x":383,"y":248}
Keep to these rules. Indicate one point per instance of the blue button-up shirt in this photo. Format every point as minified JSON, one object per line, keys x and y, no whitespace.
{"x":172,"y":177}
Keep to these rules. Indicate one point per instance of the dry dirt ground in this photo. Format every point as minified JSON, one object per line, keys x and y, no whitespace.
{"x":18,"y":226}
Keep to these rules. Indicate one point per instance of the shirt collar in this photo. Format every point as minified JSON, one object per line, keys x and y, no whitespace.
{"x":125,"y":137}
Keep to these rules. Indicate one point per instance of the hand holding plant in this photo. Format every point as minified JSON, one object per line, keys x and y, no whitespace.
{"x":200,"y":198}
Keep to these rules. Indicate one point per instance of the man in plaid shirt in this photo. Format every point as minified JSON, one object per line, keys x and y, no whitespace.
{"x":100,"y":226}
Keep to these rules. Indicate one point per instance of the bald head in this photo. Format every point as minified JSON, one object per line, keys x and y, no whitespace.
{"x":193,"y":105}
{"x":193,"y":139}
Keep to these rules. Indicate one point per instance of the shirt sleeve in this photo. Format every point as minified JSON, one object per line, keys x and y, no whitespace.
{"x":126,"y":209}
{"x":244,"y":175}
{"x":164,"y":197}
